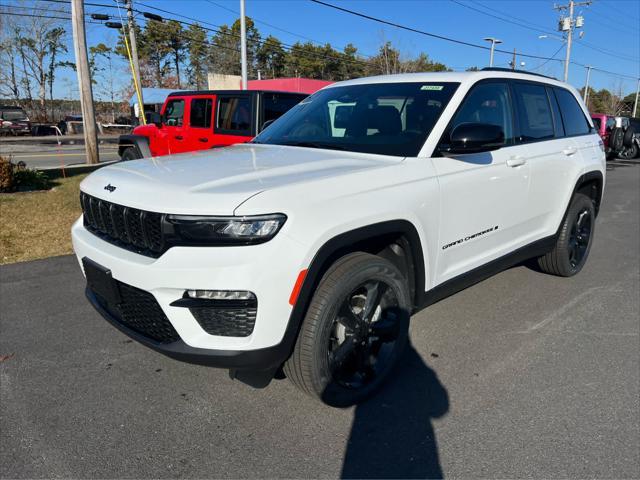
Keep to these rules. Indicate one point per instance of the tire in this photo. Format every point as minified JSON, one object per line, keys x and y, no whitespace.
{"x":616,"y":139}
{"x":627,"y":138}
{"x":574,"y":242}
{"x":340,"y":365}
{"x":629,"y":152}
{"x":130,"y":153}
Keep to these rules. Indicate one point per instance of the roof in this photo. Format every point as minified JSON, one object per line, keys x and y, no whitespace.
{"x":458,"y":77}
{"x":152,"y":95}
{"x":289,"y":84}
{"x":227,"y":92}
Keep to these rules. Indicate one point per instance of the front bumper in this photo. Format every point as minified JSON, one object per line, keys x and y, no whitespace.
{"x":268,"y":270}
{"x":259,"y":360}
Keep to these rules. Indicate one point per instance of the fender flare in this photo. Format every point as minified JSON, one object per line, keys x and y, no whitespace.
{"x":594,"y":175}
{"x":335,"y":247}
{"x":138,"y":142}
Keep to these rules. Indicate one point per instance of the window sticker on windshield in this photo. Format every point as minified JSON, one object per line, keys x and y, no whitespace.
{"x":437,"y":88}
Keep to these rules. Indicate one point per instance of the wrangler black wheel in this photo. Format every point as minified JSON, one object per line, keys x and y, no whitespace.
{"x":354,"y":331}
{"x":130,"y":153}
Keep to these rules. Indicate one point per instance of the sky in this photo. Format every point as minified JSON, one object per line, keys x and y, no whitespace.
{"x":611,"y":38}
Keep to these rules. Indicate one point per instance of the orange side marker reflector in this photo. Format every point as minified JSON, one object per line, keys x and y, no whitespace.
{"x":297,"y":287}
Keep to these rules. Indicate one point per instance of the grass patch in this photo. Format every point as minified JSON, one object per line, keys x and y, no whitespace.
{"x":37,"y":224}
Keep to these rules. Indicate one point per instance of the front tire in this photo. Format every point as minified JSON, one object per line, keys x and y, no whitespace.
{"x":354,"y":331}
{"x":130,"y":153}
{"x":574,"y":242}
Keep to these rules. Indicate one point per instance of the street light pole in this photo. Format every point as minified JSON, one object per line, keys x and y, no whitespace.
{"x":84,"y":82}
{"x":585,"y":95}
{"x":243,"y":46}
{"x":635,"y":104}
{"x":493,"y":41}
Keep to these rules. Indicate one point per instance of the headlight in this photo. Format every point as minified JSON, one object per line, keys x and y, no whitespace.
{"x":195,"y":230}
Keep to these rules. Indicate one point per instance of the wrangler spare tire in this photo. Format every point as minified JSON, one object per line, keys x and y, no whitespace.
{"x":616,"y":139}
{"x":627,"y":139}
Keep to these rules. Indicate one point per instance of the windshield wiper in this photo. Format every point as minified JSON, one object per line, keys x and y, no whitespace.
{"x":329,"y":146}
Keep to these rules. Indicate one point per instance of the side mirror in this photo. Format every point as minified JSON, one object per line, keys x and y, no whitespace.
{"x":475,"y":138}
{"x":156,"y":119}
{"x":267,"y":123}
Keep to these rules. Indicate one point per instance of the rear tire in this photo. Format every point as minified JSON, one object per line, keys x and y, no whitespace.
{"x":629,"y":152}
{"x":574,"y":242}
{"x":354,"y":331}
{"x":130,"y":153}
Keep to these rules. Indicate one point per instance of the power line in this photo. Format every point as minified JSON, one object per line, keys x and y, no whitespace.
{"x":452,"y":40}
{"x":553,"y":57}
{"x":626,"y":14}
{"x":265,"y":23}
{"x":500,"y":18}
{"x":541,"y":30}
{"x":421,"y":32}
{"x":218,"y":30}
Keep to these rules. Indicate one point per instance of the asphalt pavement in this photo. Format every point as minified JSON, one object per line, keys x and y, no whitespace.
{"x":524,"y":375}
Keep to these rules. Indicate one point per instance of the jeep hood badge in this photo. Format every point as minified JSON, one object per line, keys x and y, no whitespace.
{"x":110,"y":187}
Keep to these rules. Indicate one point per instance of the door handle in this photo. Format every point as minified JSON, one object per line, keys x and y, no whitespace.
{"x":178,"y":137}
{"x":570,"y":151}
{"x":203,"y":139}
{"x":516,"y":161}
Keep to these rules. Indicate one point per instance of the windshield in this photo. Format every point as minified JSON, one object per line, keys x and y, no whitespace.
{"x":384,"y":118}
{"x":13,"y":115}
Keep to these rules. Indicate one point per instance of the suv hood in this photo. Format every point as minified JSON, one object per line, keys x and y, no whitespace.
{"x":216,"y":182}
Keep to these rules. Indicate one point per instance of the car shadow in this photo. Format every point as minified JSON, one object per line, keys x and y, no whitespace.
{"x":392,"y":434}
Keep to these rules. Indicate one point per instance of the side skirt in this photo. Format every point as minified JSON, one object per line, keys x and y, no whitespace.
{"x":465,"y":280}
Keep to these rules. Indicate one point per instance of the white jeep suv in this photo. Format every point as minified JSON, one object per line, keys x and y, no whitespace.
{"x":306,"y":251}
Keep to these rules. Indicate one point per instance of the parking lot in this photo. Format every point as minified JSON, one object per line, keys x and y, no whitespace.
{"x":522,"y":375}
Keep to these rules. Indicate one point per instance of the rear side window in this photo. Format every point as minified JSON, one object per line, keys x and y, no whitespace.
{"x":200,"y":116}
{"x":534,"y":112}
{"x":276,"y":104}
{"x":575,"y":123}
{"x":174,"y":113}
{"x":234,"y":115}
{"x":488,"y":103}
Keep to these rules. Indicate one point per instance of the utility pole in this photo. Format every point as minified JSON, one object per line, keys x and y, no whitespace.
{"x":243,"y":46}
{"x":567,"y":25}
{"x":513,"y":61}
{"x":84,"y":82}
{"x":635,"y":104}
{"x":493,"y":41}
{"x":585,"y":95}
{"x":134,"y":54}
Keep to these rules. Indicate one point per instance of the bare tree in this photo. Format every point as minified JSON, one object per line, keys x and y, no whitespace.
{"x":29,"y":54}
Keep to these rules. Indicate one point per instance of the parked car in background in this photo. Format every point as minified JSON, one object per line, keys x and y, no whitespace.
{"x":619,"y":135}
{"x":199,"y":120}
{"x":63,"y":124}
{"x":14,"y":121}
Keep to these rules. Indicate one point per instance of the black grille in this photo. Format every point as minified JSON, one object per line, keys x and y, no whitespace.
{"x":139,"y":311}
{"x":135,"y":230}
{"x":226,"y":321}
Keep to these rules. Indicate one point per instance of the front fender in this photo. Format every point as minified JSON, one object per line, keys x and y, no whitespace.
{"x":139,"y":142}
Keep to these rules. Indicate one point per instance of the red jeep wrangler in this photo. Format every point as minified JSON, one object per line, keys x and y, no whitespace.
{"x":205,"y":119}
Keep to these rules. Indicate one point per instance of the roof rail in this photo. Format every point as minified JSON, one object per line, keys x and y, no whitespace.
{"x":501,"y":69}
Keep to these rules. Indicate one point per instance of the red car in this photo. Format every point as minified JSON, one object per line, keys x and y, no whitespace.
{"x":206,"y":119}
{"x":604,"y":124}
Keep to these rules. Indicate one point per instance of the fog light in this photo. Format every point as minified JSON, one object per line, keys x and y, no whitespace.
{"x":221,"y":294}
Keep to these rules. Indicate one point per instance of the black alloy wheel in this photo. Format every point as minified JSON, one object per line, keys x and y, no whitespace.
{"x":364,"y":335}
{"x":579,"y":238}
